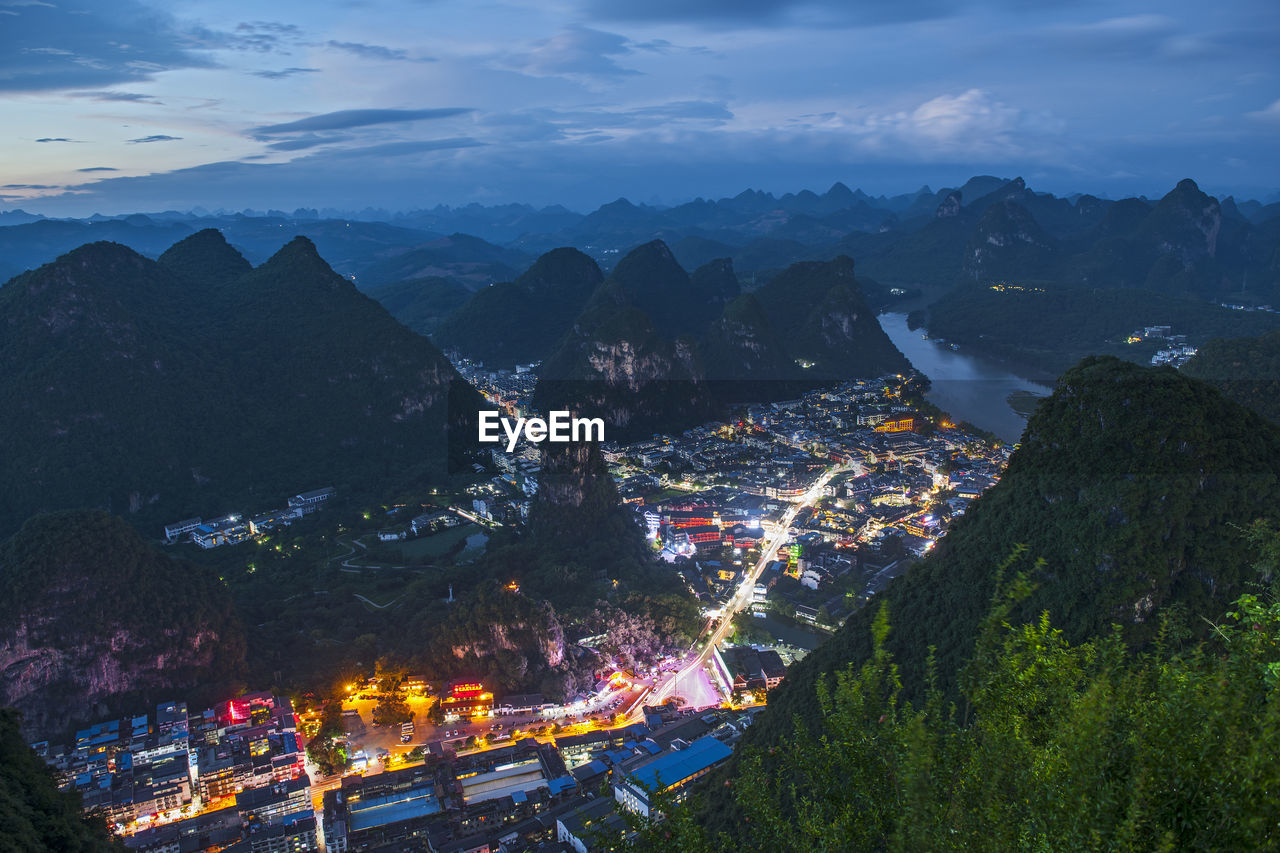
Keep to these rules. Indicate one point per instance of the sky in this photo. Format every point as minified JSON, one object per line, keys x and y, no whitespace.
{"x":116,"y":106}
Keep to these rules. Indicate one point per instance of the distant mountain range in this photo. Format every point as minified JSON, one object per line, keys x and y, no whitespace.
{"x":1097,"y":269}
{"x":197,"y":384}
{"x":758,"y":230}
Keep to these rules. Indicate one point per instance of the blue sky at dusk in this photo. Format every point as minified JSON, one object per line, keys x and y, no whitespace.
{"x":123,"y":105}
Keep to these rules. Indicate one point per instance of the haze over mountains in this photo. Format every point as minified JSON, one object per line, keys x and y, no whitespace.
{"x":759,"y":230}
{"x":1110,"y":266}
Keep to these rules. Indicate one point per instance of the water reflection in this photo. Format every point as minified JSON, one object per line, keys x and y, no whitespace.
{"x":966,"y":386}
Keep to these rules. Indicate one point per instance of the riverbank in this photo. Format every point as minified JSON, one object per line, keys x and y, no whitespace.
{"x":968,"y":386}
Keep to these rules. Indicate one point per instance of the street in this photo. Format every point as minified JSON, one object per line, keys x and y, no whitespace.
{"x":742,"y":598}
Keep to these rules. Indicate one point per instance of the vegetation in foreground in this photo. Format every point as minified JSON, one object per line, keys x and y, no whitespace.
{"x":1053,"y":745}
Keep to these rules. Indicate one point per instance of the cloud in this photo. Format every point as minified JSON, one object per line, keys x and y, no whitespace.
{"x":30,"y":187}
{"x":578,"y":52}
{"x":131,"y":97}
{"x":1156,"y":36}
{"x":98,"y":169}
{"x":346,"y":119}
{"x":310,"y":140}
{"x":249,"y":37}
{"x":90,"y":44}
{"x":581,"y":123}
{"x":716,"y":111}
{"x":376,"y":51}
{"x":284,"y":72}
{"x":54,"y":139}
{"x":159,"y":137}
{"x":400,"y":149}
{"x":770,"y":13}
{"x":1267,"y":113}
{"x":949,"y":118}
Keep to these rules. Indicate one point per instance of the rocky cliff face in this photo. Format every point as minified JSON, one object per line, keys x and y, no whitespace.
{"x":950,"y":206}
{"x":1008,"y":241}
{"x":614,"y":365}
{"x":98,"y":618}
{"x":1186,"y":223}
{"x":502,"y":635}
{"x":810,"y":324}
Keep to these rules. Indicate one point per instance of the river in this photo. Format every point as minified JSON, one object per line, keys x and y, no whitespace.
{"x":967,"y":387}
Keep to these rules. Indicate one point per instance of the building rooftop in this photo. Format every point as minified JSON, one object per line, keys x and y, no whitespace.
{"x":418,"y":801}
{"x":674,"y":767}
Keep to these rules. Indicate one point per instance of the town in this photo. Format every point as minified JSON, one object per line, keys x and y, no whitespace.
{"x":780,"y":521}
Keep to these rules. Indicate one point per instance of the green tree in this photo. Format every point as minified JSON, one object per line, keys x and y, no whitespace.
{"x":1054,"y":746}
{"x":391,"y":710}
{"x":34,"y":814}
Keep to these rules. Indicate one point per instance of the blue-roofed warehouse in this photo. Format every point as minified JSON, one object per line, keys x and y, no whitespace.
{"x":670,"y":770}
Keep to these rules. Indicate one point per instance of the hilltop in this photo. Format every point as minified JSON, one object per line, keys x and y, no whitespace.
{"x":658,"y":349}
{"x":182,"y":387}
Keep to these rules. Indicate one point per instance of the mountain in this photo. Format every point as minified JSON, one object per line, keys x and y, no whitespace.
{"x":1129,"y":485}
{"x":500,"y":224}
{"x":422,"y":304}
{"x":34,"y":813}
{"x":1048,"y":326}
{"x":96,"y":621}
{"x":742,"y":345}
{"x":653,"y":281}
{"x":205,"y":259}
{"x":129,"y":385}
{"x":1245,"y":369}
{"x":932,"y":254}
{"x":810,"y":324}
{"x":349,"y":246}
{"x":1006,"y":242}
{"x":31,"y":244}
{"x":470,"y":260}
{"x":819,"y":310}
{"x":613,"y":363}
{"x":520,"y":321}
{"x":18,"y":216}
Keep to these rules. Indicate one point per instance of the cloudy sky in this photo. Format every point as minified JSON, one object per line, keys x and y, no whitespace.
{"x":124,"y":105}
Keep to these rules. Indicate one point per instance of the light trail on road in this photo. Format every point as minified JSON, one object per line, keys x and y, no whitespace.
{"x":663,"y":690}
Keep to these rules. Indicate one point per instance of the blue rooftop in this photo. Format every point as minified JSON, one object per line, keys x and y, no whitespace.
{"x":674,"y":767}
{"x":561,"y":783}
{"x":406,"y":805}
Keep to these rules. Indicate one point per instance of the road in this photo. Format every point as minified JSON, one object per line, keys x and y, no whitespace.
{"x":662,"y":690}
{"x":666,"y":688}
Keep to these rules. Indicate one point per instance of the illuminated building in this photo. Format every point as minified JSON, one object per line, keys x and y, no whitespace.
{"x":897,"y":423}
{"x":467,"y":699}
